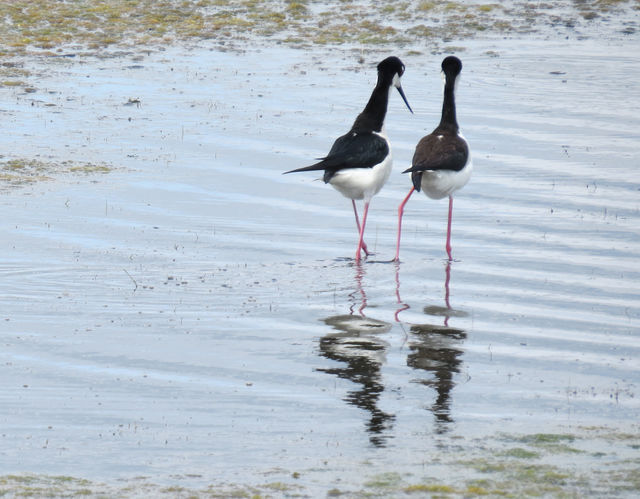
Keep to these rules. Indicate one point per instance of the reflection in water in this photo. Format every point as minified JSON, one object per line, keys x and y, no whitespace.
{"x":360,"y":273}
{"x":435,"y":349}
{"x":362,"y":354}
{"x":356,"y":344}
{"x":403,"y":306}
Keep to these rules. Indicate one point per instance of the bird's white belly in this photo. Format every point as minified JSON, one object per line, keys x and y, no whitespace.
{"x":362,"y":183}
{"x":437,"y":184}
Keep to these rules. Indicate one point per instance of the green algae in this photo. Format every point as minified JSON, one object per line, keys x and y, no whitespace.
{"x":475,"y":470}
{"x":516,"y":472}
{"x":430,"y":488}
{"x":19,"y":172}
{"x":30,"y":485}
{"x":50,"y":28}
{"x":551,"y":442}
{"x":384,"y":480}
{"x":12,"y":83}
{"x":521,"y":453}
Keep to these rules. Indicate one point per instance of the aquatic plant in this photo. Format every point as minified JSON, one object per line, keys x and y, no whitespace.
{"x":97,"y":25}
{"x":475,"y":470}
{"x":17,"y":172}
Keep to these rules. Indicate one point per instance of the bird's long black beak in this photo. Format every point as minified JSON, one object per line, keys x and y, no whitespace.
{"x":401,"y":92}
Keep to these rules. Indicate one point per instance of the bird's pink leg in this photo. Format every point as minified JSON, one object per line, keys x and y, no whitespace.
{"x":355,"y":211}
{"x":364,"y":222}
{"x":400,"y":212}
{"x":448,"y":246}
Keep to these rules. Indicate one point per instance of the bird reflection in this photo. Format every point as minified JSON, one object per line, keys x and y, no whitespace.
{"x":402,"y":306}
{"x":358,"y":293}
{"x":436,"y":349}
{"x":361,"y":352}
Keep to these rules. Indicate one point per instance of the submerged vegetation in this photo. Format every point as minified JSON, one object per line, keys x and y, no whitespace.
{"x":16,"y":172}
{"x":530,"y":465}
{"x":95,"y":25}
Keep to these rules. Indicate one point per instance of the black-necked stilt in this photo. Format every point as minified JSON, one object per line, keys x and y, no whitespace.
{"x":359,"y":162}
{"x":442,"y":162}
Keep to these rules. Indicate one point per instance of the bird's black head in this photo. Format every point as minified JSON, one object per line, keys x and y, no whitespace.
{"x":391,"y":66}
{"x":451,"y":66}
{"x":389,"y":72}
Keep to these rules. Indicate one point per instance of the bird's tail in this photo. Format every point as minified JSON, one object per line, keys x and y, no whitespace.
{"x":316,"y":167}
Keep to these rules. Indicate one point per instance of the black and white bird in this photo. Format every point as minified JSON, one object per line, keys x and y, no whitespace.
{"x":359,"y":163}
{"x":442,"y":162}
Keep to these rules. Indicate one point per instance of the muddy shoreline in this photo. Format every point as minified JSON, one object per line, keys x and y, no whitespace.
{"x":39,"y":27}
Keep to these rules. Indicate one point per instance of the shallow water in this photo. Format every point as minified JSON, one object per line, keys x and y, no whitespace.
{"x":194,"y":316}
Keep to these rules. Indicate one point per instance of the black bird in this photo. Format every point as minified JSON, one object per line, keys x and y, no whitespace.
{"x":442,"y":161}
{"x":359,"y":163}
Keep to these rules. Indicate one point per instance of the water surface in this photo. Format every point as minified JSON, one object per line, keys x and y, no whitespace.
{"x":195,"y":317}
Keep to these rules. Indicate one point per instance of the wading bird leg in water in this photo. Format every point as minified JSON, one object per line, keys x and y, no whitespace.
{"x":448,"y":245}
{"x":400,"y":212}
{"x":355,"y":211}
{"x":364,"y":222}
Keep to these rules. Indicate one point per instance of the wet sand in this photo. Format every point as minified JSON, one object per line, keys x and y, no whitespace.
{"x":190,"y":318}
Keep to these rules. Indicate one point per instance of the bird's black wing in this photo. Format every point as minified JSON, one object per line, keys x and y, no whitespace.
{"x":448,"y":153}
{"x":352,"y":150}
{"x":434,"y":153}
